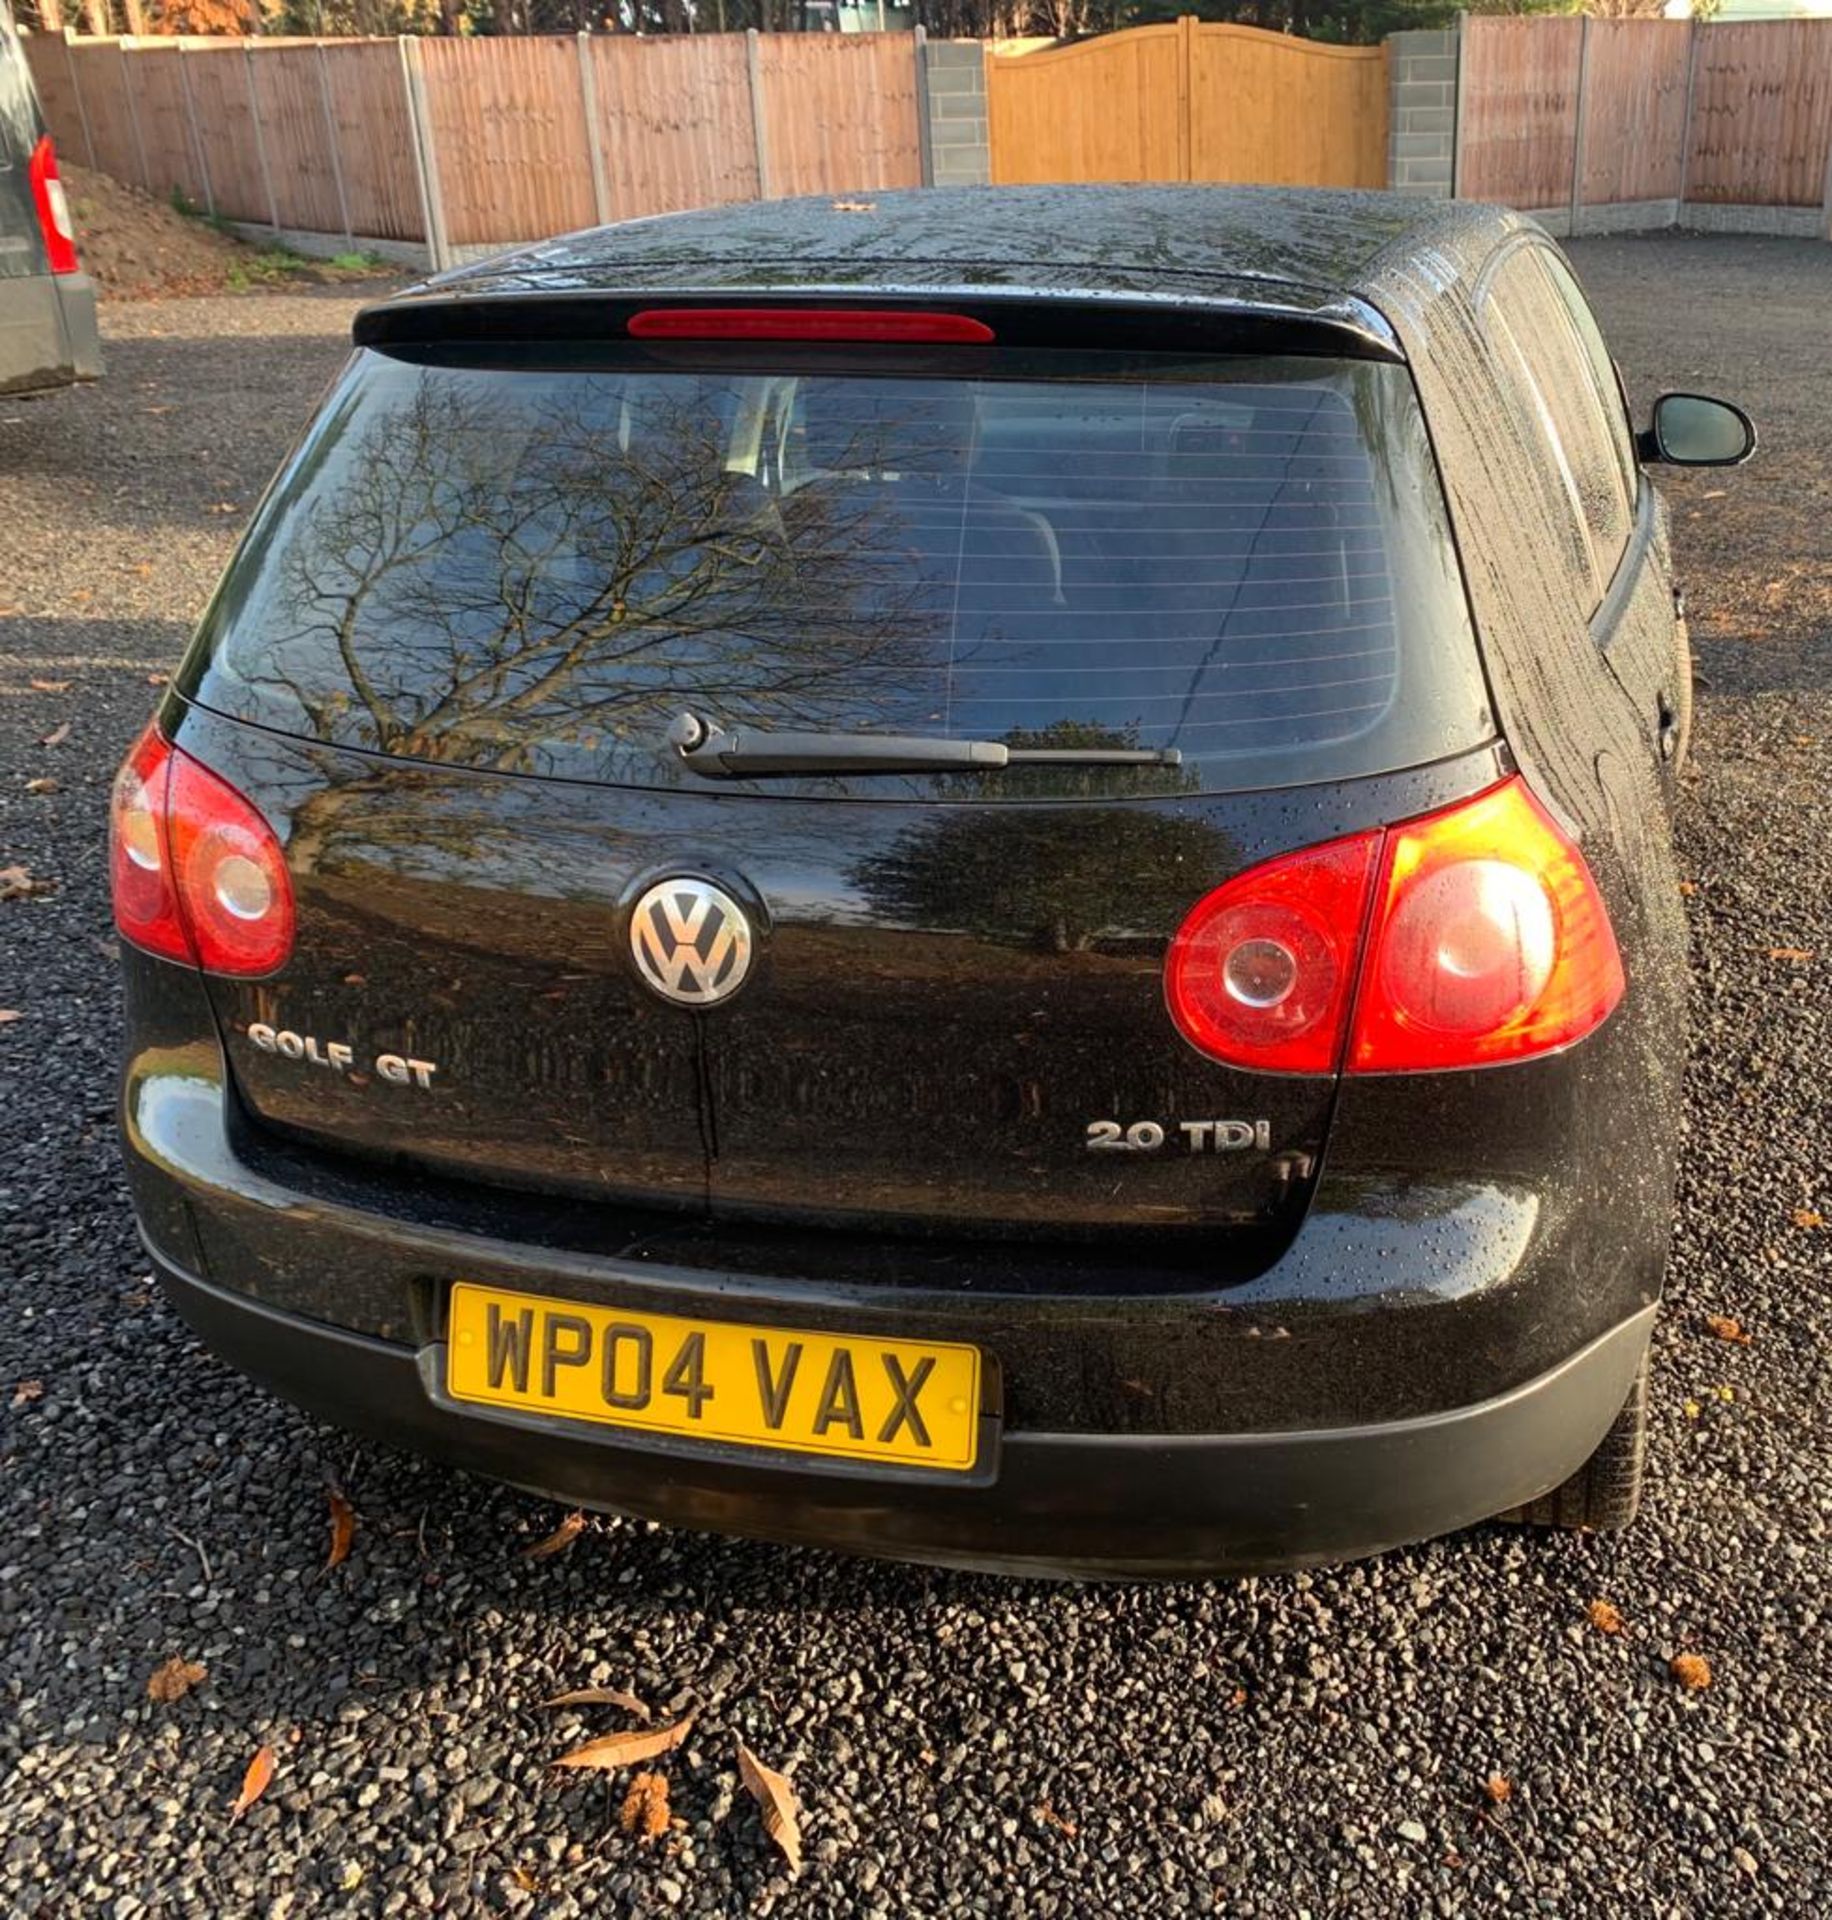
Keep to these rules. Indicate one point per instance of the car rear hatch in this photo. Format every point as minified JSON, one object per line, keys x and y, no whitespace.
{"x":571,"y":659}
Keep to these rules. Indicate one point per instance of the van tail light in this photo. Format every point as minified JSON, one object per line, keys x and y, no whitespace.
{"x":53,"y":206}
{"x":1467,"y":938}
{"x":198,"y":874}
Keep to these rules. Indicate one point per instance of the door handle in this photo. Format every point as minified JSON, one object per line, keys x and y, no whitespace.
{"x":1667,"y":731}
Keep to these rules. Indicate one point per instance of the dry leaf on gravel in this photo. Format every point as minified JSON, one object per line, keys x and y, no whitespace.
{"x":601,"y":1697}
{"x":20,"y":883}
{"x":855,"y":206}
{"x":1790,"y":953}
{"x":1806,"y":1218}
{"x":57,"y":736}
{"x":27,"y":1391}
{"x":1691,"y":1670}
{"x":1605,"y":1617}
{"x":1051,"y":1818}
{"x":50,"y":686}
{"x":613,"y":1750}
{"x":559,"y":1540}
{"x":343,"y":1528}
{"x":645,"y":1808}
{"x":776,"y":1798}
{"x":43,"y":784}
{"x":1499,"y":1789}
{"x":1726,"y":1328}
{"x":173,"y":1679}
{"x":255,"y":1782}
{"x":8,"y":1015}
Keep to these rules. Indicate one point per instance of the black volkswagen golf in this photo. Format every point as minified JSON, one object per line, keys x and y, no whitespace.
{"x":983,"y":876}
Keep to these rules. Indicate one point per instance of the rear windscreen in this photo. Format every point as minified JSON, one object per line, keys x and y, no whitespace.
{"x":536,"y":570}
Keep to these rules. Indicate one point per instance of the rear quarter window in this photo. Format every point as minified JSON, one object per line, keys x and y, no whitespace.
{"x":534,"y":569}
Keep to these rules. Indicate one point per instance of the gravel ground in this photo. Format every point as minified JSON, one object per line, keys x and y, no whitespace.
{"x":1307,"y":1744}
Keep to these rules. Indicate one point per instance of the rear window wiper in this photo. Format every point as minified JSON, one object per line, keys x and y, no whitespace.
{"x":747,"y":751}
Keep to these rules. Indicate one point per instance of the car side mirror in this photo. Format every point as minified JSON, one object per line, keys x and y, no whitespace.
{"x":1693,"y":430}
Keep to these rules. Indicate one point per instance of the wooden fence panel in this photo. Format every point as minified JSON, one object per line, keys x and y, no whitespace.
{"x":839,"y":112}
{"x":508,"y":130}
{"x":1520,"y":110}
{"x":101,"y":72}
{"x":1634,"y":111}
{"x":1762,"y":113}
{"x":291,"y":101}
{"x":47,"y":54}
{"x":1278,"y":111}
{"x":165,"y":127}
{"x":222,"y":91}
{"x":674,"y":121}
{"x":1106,"y":109}
{"x":374,"y":138}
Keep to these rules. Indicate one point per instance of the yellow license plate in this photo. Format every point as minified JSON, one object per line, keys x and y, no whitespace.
{"x":906,"y":1404}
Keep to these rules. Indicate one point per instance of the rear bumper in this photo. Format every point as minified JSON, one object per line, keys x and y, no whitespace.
{"x":1423,"y":1355}
{"x":48,"y":334}
{"x":1080,"y":1504}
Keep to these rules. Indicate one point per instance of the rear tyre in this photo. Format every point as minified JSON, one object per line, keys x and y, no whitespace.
{"x":1605,"y":1492}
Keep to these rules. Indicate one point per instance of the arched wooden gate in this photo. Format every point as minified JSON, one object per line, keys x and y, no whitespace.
{"x":1191,"y":101}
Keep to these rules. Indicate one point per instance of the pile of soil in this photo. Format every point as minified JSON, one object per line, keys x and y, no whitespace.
{"x":140,"y":248}
{"x":137,"y":246}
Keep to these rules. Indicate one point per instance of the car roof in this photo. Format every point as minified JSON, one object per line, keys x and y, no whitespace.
{"x":1244,"y":244}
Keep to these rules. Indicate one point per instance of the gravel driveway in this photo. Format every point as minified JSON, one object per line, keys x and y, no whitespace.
{"x":1306,"y":1744}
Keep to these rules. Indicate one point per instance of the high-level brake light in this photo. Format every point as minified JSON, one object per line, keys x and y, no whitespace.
{"x":1472,"y":936}
{"x":889,"y":326}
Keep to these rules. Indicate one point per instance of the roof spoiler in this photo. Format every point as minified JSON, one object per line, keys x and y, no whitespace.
{"x":495,"y":320}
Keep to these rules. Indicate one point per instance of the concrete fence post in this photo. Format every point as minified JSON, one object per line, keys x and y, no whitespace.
{"x":197,"y":136}
{"x":594,"y":144}
{"x":82,"y":111}
{"x":260,"y":137}
{"x":760,"y":132}
{"x":1579,"y":121}
{"x":1422,"y":80}
{"x":925,"y":143}
{"x":425,"y":159}
{"x":1685,"y":136}
{"x":1825,"y":201}
{"x":1460,"y":109}
{"x":331,"y":146}
{"x":124,"y":46}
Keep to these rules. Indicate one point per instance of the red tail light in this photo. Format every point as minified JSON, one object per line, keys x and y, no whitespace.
{"x":53,"y":206}
{"x":1260,"y":973}
{"x":886,"y":326}
{"x":1489,"y":941}
{"x":1486,"y":941}
{"x":198,"y":875}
